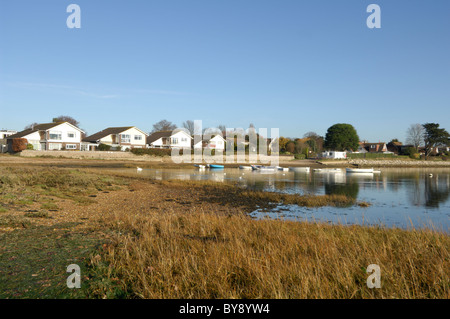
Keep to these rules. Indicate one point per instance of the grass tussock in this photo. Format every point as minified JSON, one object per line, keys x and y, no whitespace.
{"x":203,"y":255}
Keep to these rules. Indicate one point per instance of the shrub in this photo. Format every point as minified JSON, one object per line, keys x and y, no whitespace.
{"x":19,"y":144}
{"x":104,"y":147}
{"x":30,"y":147}
{"x":152,"y":151}
{"x":411,"y":152}
{"x":299,"y":156}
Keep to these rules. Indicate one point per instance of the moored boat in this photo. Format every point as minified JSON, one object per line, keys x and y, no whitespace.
{"x":327,"y":170}
{"x":359,"y":170}
{"x":300,"y":169}
{"x":245,"y":167}
{"x":264,"y":168}
{"x":214,"y":166}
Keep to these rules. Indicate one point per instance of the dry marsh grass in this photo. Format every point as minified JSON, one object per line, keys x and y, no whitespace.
{"x":204,"y":255}
{"x":194,"y":240}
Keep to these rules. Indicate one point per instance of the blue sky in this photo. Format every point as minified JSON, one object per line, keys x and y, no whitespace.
{"x":294,"y":65}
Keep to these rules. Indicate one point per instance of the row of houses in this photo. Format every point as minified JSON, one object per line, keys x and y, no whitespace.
{"x":65,"y":136}
{"x":396,"y":148}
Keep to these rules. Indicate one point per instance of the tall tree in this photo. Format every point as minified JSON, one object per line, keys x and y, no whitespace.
{"x":341,"y":137}
{"x":434,"y":136}
{"x":315,"y":141}
{"x":163,"y":125}
{"x":66,"y":118}
{"x":415,"y":135}
{"x":223,"y":129}
{"x":189,"y":125}
{"x":282,"y":143}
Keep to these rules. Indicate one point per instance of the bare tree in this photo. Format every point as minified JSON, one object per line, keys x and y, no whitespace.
{"x":415,"y":135}
{"x":163,"y":125}
{"x":189,"y":125}
{"x":66,"y":118}
{"x":222,"y":129}
{"x":30,"y":126}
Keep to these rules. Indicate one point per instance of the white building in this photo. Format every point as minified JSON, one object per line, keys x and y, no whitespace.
{"x":169,"y":139}
{"x":334,"y":155}
{"x":217,"y":142}
{"x":122,"y":138}
{"x":50,"y":136}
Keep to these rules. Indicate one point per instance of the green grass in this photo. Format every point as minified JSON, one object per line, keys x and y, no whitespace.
{"x":33,"y":261}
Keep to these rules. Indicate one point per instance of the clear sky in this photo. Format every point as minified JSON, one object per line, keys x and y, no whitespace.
{"x":290,"y":64}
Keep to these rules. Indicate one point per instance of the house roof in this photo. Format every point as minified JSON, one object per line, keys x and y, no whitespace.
{"x":38,"y":127}
{"x":157,"y":135}
{"x":165,"y":134}
{"x":206,"y":140}
{"x":108,"y":131}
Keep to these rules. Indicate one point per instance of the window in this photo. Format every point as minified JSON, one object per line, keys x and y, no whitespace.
{"x":138,"y":137}
{"x":71,"y":134}
{"x":71,"y":146}
{"x":125,"y":138}
{"x":184,"y":139}
{"x":55,"y":136}
{"x":175,"y":140}
{"x":54,"y":146}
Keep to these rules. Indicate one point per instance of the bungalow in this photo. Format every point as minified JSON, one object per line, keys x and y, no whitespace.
{"x":216,"y":142}
{"x":120,"y":138}
{"x":50,"y":136}
{"x":169,"y":139}
{"x":334,"y":155}
{"x":365,"y":147}
{"x":395,"y":147}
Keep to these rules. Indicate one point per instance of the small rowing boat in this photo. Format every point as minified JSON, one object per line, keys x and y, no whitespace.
{"x":245,"y":167}
{"x":264,"y":168}
{"x":214,"y":166}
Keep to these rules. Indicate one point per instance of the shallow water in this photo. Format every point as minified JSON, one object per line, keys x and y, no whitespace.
{"x":401,"y":197}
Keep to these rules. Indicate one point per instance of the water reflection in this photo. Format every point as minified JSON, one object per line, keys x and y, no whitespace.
{"x":394,"y":194}
{"x":437,"y":191}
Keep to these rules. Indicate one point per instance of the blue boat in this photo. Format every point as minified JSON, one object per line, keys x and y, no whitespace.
{"x":214,"y":166}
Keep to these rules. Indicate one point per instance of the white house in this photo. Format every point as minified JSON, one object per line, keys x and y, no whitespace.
{"x":50,"y":136}
{"x":122,"y":138}
{"x":334,"y":155}
{"x":217,"y":142}
{"x":169,"y":139}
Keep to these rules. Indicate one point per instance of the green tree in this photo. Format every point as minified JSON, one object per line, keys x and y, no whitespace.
{"x":341,"y":137}
{"x":434,"y":136}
